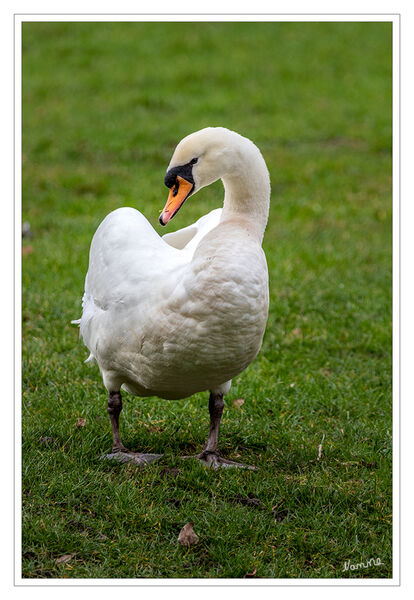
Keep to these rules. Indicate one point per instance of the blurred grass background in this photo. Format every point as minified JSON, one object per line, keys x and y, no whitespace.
{"x":104,"y":105}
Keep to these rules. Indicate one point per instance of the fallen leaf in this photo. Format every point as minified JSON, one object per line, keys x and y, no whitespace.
{"x":187,"y":536}
{"x":27,"y":250}
{"x":65,"y":558}
{"x":238,"y":402}
{"x":81,"y":422}
{"x":251,"y":574}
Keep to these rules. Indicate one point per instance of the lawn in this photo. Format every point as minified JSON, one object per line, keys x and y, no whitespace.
{"x":104,"y":105}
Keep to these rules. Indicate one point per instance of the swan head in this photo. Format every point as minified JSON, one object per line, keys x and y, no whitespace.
{"x":200,"y":159}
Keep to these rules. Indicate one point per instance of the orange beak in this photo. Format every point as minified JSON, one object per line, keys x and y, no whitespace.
{"x":178,"y":193}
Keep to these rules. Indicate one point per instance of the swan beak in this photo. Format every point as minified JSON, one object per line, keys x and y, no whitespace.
{"x":178,"y":194}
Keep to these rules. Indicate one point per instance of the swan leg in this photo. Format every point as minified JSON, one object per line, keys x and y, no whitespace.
{"x":114,"y":409}
{"x":210,"y":456}
{"x":119,"y":452}
{"x":215,"y":408}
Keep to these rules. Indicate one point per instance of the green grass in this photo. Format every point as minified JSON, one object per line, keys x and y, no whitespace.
{"x":103,"y":107}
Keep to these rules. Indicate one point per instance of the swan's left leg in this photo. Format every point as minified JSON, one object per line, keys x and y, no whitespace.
{"x":210,"y":455}
{"x":215,"y":408}
{"x":114,"y":409}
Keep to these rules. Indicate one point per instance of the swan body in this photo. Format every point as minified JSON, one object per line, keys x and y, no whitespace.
{"x":175,"y":315}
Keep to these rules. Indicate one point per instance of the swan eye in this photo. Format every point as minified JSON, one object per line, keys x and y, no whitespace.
{"x":193,"y":161}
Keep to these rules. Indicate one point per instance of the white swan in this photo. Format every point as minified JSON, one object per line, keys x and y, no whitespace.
{"x":177,"y":315}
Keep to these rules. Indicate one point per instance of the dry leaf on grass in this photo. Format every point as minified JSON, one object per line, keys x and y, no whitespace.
{"x":81,"y":422}
{"x":238,"y":402}
{"x":65,"y":558}
{"x":187,"y":536}
{"x":27,"y":250}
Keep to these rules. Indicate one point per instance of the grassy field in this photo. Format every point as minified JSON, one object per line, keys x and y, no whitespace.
{"x":104,"y":105}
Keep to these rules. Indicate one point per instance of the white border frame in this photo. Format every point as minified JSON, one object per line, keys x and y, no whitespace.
{"x":225,"y":17}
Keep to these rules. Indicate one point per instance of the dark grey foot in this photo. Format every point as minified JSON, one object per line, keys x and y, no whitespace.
{"x":214,"y":460}
{"x":119,"y":448}
{"x":126,"y":456}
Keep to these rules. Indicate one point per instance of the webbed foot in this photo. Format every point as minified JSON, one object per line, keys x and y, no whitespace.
{"x":126,"y":456}
{"x":214,"y":460}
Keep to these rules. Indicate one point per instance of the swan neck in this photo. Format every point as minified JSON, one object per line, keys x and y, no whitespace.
{"x":247,"y":195}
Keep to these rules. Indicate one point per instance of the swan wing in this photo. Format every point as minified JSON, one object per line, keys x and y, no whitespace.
{"x":130,"y":268}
